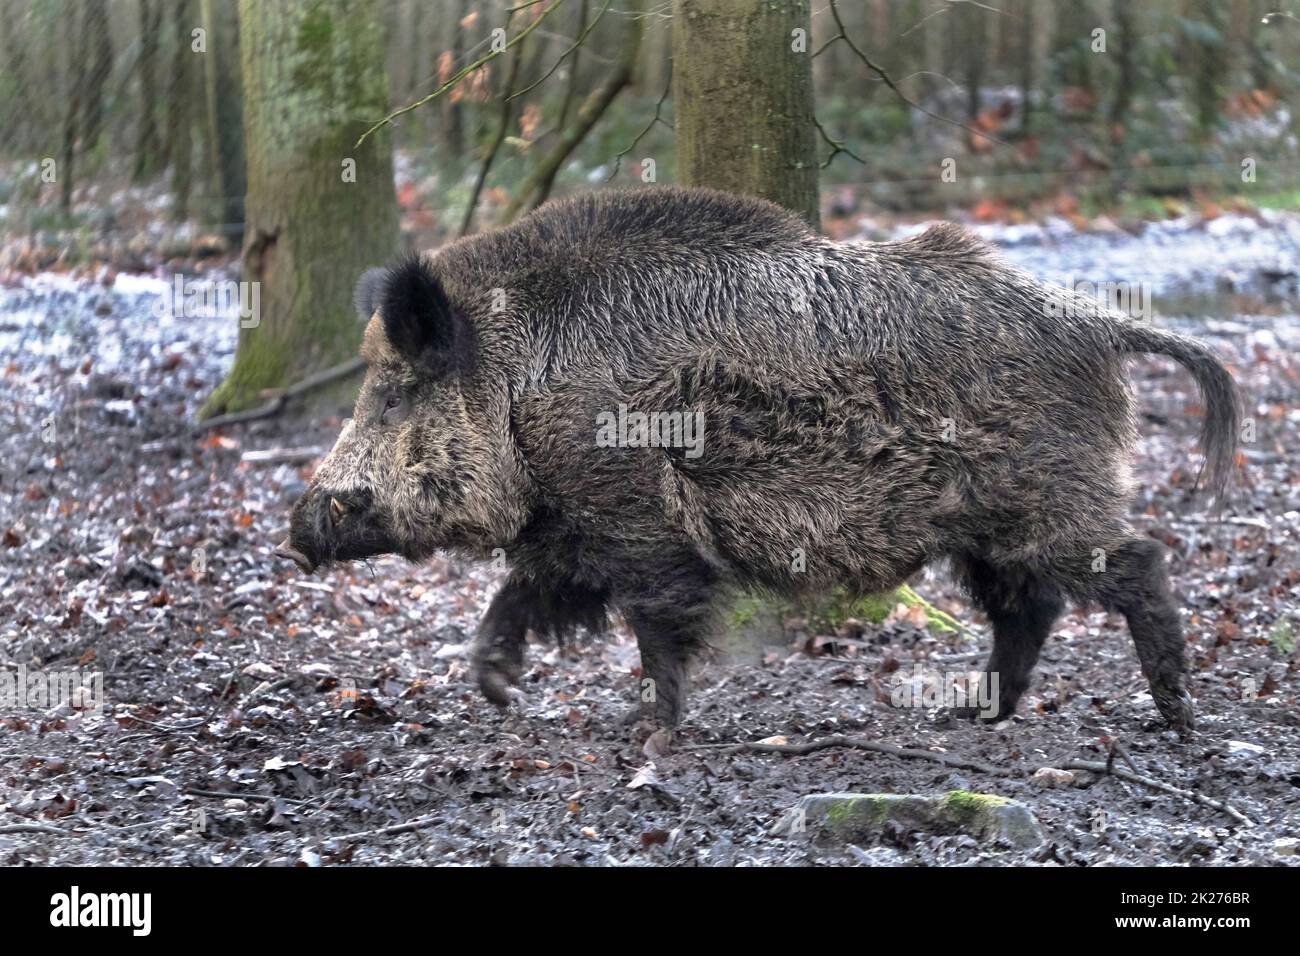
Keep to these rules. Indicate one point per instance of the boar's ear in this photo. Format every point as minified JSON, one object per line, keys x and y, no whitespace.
{"x":420,"y":321}
{"x":365,"y":298}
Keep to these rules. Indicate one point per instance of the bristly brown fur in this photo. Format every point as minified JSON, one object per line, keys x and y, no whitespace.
{"x":868,"y":408}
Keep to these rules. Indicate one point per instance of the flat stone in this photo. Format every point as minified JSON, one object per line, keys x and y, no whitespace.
{"x":851,"y":817}
{"x":1051,"y":777}
{"x":1286,"y":846}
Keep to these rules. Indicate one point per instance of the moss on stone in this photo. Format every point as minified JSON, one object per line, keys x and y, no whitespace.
{"x":967,"y":806}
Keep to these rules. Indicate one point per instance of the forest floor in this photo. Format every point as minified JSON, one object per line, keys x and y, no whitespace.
{"x":253,"y":716}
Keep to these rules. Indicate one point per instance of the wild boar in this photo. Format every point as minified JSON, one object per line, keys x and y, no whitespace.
{"x":863,"y":409}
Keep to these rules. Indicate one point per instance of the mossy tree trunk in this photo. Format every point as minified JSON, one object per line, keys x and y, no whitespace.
{"x":319,"y":210}
{"x":743,"y":99}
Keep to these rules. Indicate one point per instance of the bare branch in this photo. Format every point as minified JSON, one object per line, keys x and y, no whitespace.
{"x":836,"y":146}
{"x":507,"y":108}
{"x":591,"y":111}
{"x":280,"y":401}
{"x":466,"y":71}
{"x":889,"y":82}
{"x":576,"y":43}
{"x":657,"y":118}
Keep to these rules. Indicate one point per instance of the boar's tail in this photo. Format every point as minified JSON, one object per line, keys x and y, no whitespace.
{"x":1218,"y":392}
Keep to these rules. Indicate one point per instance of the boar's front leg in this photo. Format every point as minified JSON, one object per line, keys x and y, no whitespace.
{"x":497,"y":653}
{"x":554,"y":610}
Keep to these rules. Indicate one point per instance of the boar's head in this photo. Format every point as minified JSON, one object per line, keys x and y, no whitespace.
{"x":426,"y":462}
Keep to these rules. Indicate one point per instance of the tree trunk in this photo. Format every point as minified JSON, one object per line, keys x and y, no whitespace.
{"x":743,"y":100}
{"x":99,"y":42}
{"x":148,"y":147}
{"x":453,"y":123}
{"x":13,"y":48}
{"x":1027,"y":63}
{"x":319,"y":210}
{"x":223,"y":94}
{"x":180,"y":112}
{"x":1126,"y":38}
{"x":934,"y":40}
{"x":970,"y":27}
{"x":73,"y":110}
{"x":1209,"y":64}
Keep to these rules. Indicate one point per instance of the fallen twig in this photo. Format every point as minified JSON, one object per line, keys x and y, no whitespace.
{"x":278,"y":403}
{"x":961,"y":763}
{"x":231,"y":795}
{"x":1098,"y":767}
{"x":417,"y":824}
{"x":262,"y":689}
{"x":282,"y":456}
{"x":859,"y":743}
{"x":29,"y":828}
{"x":187,"y":723}
{"x":1117,"y":749}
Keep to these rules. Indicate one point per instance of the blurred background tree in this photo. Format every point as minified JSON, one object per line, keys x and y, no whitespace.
{"x":1162,"y":111}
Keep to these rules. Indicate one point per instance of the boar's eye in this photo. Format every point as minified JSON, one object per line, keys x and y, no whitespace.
{"x":394,"y":409}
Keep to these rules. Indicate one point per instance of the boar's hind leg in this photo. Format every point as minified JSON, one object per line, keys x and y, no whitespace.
{"x":671,"y":623}
{"x":666,"y":643}
{"x":1022,"y":606}
{"x":1136,"y":584}
{"x":497,"y":652}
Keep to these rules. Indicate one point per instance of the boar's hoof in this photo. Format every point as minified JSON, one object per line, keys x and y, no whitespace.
{"x":1175,"y":705}
{"x":634,"y":715}
{"x":979,"y":714}
{"x":494,"y":673}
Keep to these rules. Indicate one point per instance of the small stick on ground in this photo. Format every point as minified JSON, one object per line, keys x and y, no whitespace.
{"x":261,"y":690}
{"x":407,"y":827}
{"x":30,"y":828}
{"x":1117,"y":749}
{"x":1101,"y":768}
{"x":232,"y":795}
{"x":282,"y":456}
{"x":859,"y":743}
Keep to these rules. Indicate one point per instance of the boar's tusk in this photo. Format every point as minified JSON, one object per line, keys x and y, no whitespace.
{"x":337,"y":510}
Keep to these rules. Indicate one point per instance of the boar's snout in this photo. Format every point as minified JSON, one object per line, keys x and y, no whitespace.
{"x":285,"y":549}
{"x":329,"y":526}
